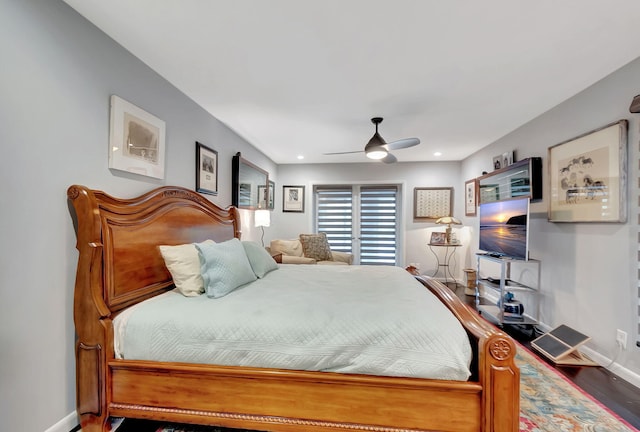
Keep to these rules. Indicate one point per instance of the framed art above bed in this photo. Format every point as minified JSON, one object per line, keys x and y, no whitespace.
{"x":136,"y":140}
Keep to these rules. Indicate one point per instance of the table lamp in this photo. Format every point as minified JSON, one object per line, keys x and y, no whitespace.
{"x":448,"y":221}
{"x":262,"y":218}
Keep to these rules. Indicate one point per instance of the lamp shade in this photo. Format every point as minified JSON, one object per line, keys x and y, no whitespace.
{"x":262,"y":218}
{"x":448,"y":220}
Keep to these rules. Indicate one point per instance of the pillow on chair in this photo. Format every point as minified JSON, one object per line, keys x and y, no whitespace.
{"x":316,"y":246}
{"x":286,"y":247}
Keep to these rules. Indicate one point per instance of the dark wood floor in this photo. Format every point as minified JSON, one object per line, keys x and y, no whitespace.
{"x":612,"y":391}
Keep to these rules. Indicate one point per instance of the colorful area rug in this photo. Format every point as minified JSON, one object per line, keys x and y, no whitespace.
{"x":551,"y":403}
{"x":548,"y":403}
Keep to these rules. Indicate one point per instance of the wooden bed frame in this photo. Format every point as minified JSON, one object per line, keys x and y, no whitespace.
{"x":119,"y":265}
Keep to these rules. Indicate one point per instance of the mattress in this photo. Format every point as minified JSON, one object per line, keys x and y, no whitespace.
{"x":374,"y":320}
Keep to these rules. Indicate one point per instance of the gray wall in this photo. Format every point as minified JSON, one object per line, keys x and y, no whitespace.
{"x":58,"y":72}
{"x":589,"y":270}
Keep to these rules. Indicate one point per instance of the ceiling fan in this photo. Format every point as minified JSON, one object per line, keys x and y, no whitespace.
{"x":377,"y":148}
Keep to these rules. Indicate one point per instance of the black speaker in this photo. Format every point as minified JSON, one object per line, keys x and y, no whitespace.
{"x":561,"y":344}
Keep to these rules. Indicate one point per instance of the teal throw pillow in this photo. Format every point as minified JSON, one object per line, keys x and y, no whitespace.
{"x":260,"y":260}
{"x":224,"y":267}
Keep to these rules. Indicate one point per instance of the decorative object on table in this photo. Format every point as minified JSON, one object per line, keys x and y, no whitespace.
{"x":438,"y":238}
{"x":448,"y":221}
{"x":293,"y":199}
{"x":378,"y":149}
{"x":262,"y":218}
{"x":470,"y":197}
{"x":588,"y":176}
{"x":136,"y":140}
{"x":432,"y":203}
{"x":206,"y":169}
{"x":246,"y":177}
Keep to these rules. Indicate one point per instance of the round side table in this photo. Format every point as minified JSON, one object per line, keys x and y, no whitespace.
{"x":449,"y":253}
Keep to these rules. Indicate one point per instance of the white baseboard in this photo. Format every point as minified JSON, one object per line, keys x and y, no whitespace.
{"x":66,"y":424}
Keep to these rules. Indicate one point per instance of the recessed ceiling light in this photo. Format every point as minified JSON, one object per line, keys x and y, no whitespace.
{"x":300,"y":157}
{"x":437,"y":154}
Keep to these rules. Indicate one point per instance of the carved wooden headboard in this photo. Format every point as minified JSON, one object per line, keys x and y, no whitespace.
{"x":118,"y":240}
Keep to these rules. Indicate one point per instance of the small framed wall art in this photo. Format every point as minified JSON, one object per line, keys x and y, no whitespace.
{"x":206,"y":169}
{"x":136,"y":140}
{"x":470,"y":197}
{"x":293,"y":199}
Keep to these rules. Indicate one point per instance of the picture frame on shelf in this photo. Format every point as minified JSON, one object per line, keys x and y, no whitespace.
{"x":470,"y":197}
{"x":293,"y":199}
{"x":432,"y":203}
{"x":588,"y":176}
{"x":497,"y":162}
{"x":507,"y":159}
{"x":136,"y":140}
{"x":206,"y":169}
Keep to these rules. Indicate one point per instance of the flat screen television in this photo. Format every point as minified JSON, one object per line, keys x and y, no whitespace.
{"x":504,"y":228}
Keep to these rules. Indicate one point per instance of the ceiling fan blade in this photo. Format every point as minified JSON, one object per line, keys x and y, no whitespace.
{"x":389,"y":159}
{"x":403,"y":143}
{"x":349,"y":152}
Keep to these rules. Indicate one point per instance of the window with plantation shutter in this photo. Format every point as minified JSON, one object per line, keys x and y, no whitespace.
{"x":378,"y":225}
{"x":360,"y":219}
{"x":334,"y":216}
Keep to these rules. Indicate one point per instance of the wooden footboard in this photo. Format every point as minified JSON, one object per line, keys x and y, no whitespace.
{"x":119,"y":265}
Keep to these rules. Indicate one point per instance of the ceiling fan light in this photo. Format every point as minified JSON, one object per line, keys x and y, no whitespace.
{"x":378,"y":153}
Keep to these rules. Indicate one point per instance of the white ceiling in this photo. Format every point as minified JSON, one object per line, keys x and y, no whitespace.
{"x":297,"y":77}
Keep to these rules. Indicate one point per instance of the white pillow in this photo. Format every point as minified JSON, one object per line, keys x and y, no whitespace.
{"x":183,"y":263}
{"x":224,"y":267}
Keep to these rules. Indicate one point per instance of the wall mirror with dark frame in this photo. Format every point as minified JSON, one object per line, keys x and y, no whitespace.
{"x":249,"y":184}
